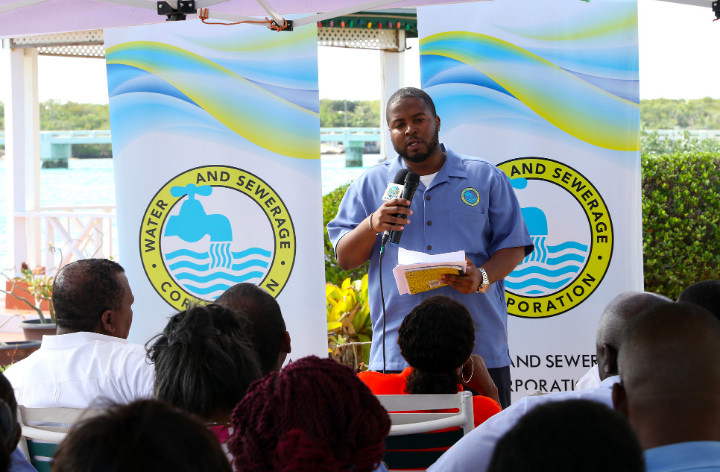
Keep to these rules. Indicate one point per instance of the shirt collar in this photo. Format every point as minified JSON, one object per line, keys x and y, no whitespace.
{"x":451,"y":168}
{"x":77,"y":339}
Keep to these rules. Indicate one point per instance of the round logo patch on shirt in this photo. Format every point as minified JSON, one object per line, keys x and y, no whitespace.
{"x":470,"y":196}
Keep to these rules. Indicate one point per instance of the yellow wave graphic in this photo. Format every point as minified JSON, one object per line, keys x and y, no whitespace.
{"x":568,"y":102}
{"x":252,"y":112}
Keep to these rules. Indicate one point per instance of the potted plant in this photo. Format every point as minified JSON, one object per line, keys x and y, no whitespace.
{"x":39,"y":287}
{"x":348,"y":323}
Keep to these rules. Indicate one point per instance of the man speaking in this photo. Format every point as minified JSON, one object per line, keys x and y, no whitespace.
{"x":461,"y":203}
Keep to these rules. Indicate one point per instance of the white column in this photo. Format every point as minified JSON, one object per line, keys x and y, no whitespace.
{"x":392,"y":71}
{"x":22,"y":145}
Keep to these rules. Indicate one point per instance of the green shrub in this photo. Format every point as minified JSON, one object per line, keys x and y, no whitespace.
{"x":681,"y":220}
{"x":333,"y":273}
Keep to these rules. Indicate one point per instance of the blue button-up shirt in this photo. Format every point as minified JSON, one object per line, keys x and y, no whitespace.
{"x":469,"y":206}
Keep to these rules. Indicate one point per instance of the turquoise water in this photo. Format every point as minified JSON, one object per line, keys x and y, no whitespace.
{"x":91,"y":182}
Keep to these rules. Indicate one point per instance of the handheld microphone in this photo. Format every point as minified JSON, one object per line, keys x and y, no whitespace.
{"x":411,"y":183}
{"x":395,"y":189}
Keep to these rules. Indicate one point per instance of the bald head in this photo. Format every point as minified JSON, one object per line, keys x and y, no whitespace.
{"x":671,"y":349}
{"x":669,"y":365}
{"x":705,"y":294}
{"x":615,"y":318}
{"x":257,"y":307}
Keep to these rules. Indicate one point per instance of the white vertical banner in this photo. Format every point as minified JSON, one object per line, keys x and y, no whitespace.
{"x":548,"y":91}
{"x":216,"y":140}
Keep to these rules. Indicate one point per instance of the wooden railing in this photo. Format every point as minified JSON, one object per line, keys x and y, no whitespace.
{"x":72,"y":232}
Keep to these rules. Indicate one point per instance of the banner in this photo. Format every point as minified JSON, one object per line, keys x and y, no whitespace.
{"x":216,"y":140}
{"x":548,"y":91}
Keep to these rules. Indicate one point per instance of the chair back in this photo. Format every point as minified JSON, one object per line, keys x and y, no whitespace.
{"x":42,"y":429}
{"x":424,"y":426}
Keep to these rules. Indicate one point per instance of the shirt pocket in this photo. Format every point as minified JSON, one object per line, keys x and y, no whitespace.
{"x":469,"y":230}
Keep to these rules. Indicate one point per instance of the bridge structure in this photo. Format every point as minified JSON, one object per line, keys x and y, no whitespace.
{"x":56,"y":146}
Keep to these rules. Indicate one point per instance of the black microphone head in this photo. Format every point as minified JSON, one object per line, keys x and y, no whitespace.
{"x":411,"y":179}
{"x":400,"y":176}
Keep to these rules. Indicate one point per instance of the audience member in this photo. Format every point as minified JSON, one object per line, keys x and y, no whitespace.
{"x":569,"y":436}
{"x":11,"y":458}
{"x":437,"y":339}
{"x":705,"y":294}
{"x":89,"y":360}
{"x":144,"y":436}
{"x":472,"y":453}
{"x":204,"y":363}
{"x":270,"y":338}
{"x":313,"y":415}
{"x":670,"y":386}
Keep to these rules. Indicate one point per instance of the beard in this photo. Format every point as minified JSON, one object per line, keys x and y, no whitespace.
{"x":421,"y":156}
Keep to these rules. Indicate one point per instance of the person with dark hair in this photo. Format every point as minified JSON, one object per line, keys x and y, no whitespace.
{"x":204,"y":364}
{"x":461,"y":203}
{"x":705,"y":294}
{"x":670,"y":384}
{"x":89,"y":360}
{"x":472,"y":453}
{"x":144,"y":436}
{"x":261,"y":311}
{"x":314,"y":415}
{"x":569,"y":436}
{"x":437,"y":338}
{"x":11,"y":458}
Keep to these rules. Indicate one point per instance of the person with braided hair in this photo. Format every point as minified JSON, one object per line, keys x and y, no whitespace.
{"x":313,"y":415}
{"x":204,"y":363}
{"x":437,"y":339}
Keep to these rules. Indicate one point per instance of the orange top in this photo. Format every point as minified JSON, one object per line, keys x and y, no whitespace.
{"x":394,"y":384}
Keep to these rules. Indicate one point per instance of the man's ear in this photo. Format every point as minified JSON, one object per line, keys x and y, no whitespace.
{"x":610,"y":366}
{"x":285,"y":343}
{"x":619,"y":399}
{"x":437,"y":122}
{"x":107,"y":323}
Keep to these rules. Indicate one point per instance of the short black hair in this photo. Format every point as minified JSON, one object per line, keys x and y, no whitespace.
{"x":262,"y":312}
{"x":705,"y":294}
{"x":144,"y":436}
{"x":203,"y":359}
{"x":83,"y":290}
{"x":409,"y":92}
{"x":567,"y":436}
{"x":436,"y":338}
{"x":9,"y":427}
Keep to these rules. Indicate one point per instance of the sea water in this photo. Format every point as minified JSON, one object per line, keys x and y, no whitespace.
{"x":91,"y":182}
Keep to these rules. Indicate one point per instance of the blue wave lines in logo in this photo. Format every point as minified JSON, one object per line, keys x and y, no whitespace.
{"x":548,"y":269}
{"x":208,"y":274}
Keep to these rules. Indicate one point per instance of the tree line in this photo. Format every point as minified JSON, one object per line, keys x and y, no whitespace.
{"x":661,"y":113}
{"x":658,"y":113}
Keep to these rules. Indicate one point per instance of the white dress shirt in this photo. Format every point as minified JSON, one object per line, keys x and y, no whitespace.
{"x":474,"y":451}
{"x":80,"y":370}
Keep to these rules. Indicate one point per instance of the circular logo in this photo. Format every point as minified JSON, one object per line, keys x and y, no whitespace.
{"x":571,"y":228}
{"x":470,"y":196}
{"x":212,"y":227}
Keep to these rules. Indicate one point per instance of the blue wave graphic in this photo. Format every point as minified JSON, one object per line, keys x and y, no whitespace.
{"x":566,"y":258}
{"x":218,"y":287}
{"x":569,"y":245}
{"x":188,"y":265}
{"x":571,"y":269}
{"x":537,"y":281}
{"x":204,"y":274}
{"x":187,"y":252}
{"x":548,"y":268}
{"x":250,"y":263}
{"x":217,"y":276}
{"x":252,"y":251}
